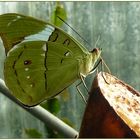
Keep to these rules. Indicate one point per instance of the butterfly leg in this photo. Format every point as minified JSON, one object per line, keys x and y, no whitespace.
{"x":83,"y":81}
{"x":105,"y":65}
{"x":102,"y":62}
{"x":80,"y":93}
{"x":102,"y":70}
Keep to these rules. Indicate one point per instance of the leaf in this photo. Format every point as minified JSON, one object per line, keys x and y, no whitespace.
{"x":58,"y":12}
{"x":67,"y":121}
{"x":65,"y":95}
{"x":53,"y":105}
{"x":33,"y":133}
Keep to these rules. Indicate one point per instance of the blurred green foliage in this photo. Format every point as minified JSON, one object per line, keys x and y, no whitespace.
{"x":59,"y":11}
{"x":33,"y":133}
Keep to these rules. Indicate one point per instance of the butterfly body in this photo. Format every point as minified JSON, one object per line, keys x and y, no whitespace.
{"x":39,"y":69}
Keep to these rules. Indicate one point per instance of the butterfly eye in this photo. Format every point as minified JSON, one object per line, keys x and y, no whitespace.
{"x":27,"y":62}
{"x":96,"y":50}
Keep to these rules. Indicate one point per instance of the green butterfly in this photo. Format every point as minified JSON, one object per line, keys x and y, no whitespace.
{"x":41,"y":61}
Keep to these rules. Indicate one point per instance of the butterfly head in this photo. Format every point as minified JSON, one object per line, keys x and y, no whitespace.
{"x":96,"y":52}
{"x":87,"y":66}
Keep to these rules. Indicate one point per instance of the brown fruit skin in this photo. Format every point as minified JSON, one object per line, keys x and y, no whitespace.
{"x":100,"y":120}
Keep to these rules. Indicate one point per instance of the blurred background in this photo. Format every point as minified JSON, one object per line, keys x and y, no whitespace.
{"x":118,"y":24}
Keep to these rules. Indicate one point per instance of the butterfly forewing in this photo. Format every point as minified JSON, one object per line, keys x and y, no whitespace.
{"x":15,"y":27}
{"x":64,"y":70}
{"x":63,"y":38}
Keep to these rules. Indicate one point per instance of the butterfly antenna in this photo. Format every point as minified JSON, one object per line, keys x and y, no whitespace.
{"x":99,"y":37}
{"x":74,"y":30}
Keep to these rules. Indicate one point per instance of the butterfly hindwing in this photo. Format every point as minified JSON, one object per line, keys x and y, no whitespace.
{"x":37,"y":68}
{"x":62,"y":67}
{"x":23,"y":67}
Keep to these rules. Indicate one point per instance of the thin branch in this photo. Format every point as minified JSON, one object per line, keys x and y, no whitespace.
{"x":39,"y":112}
